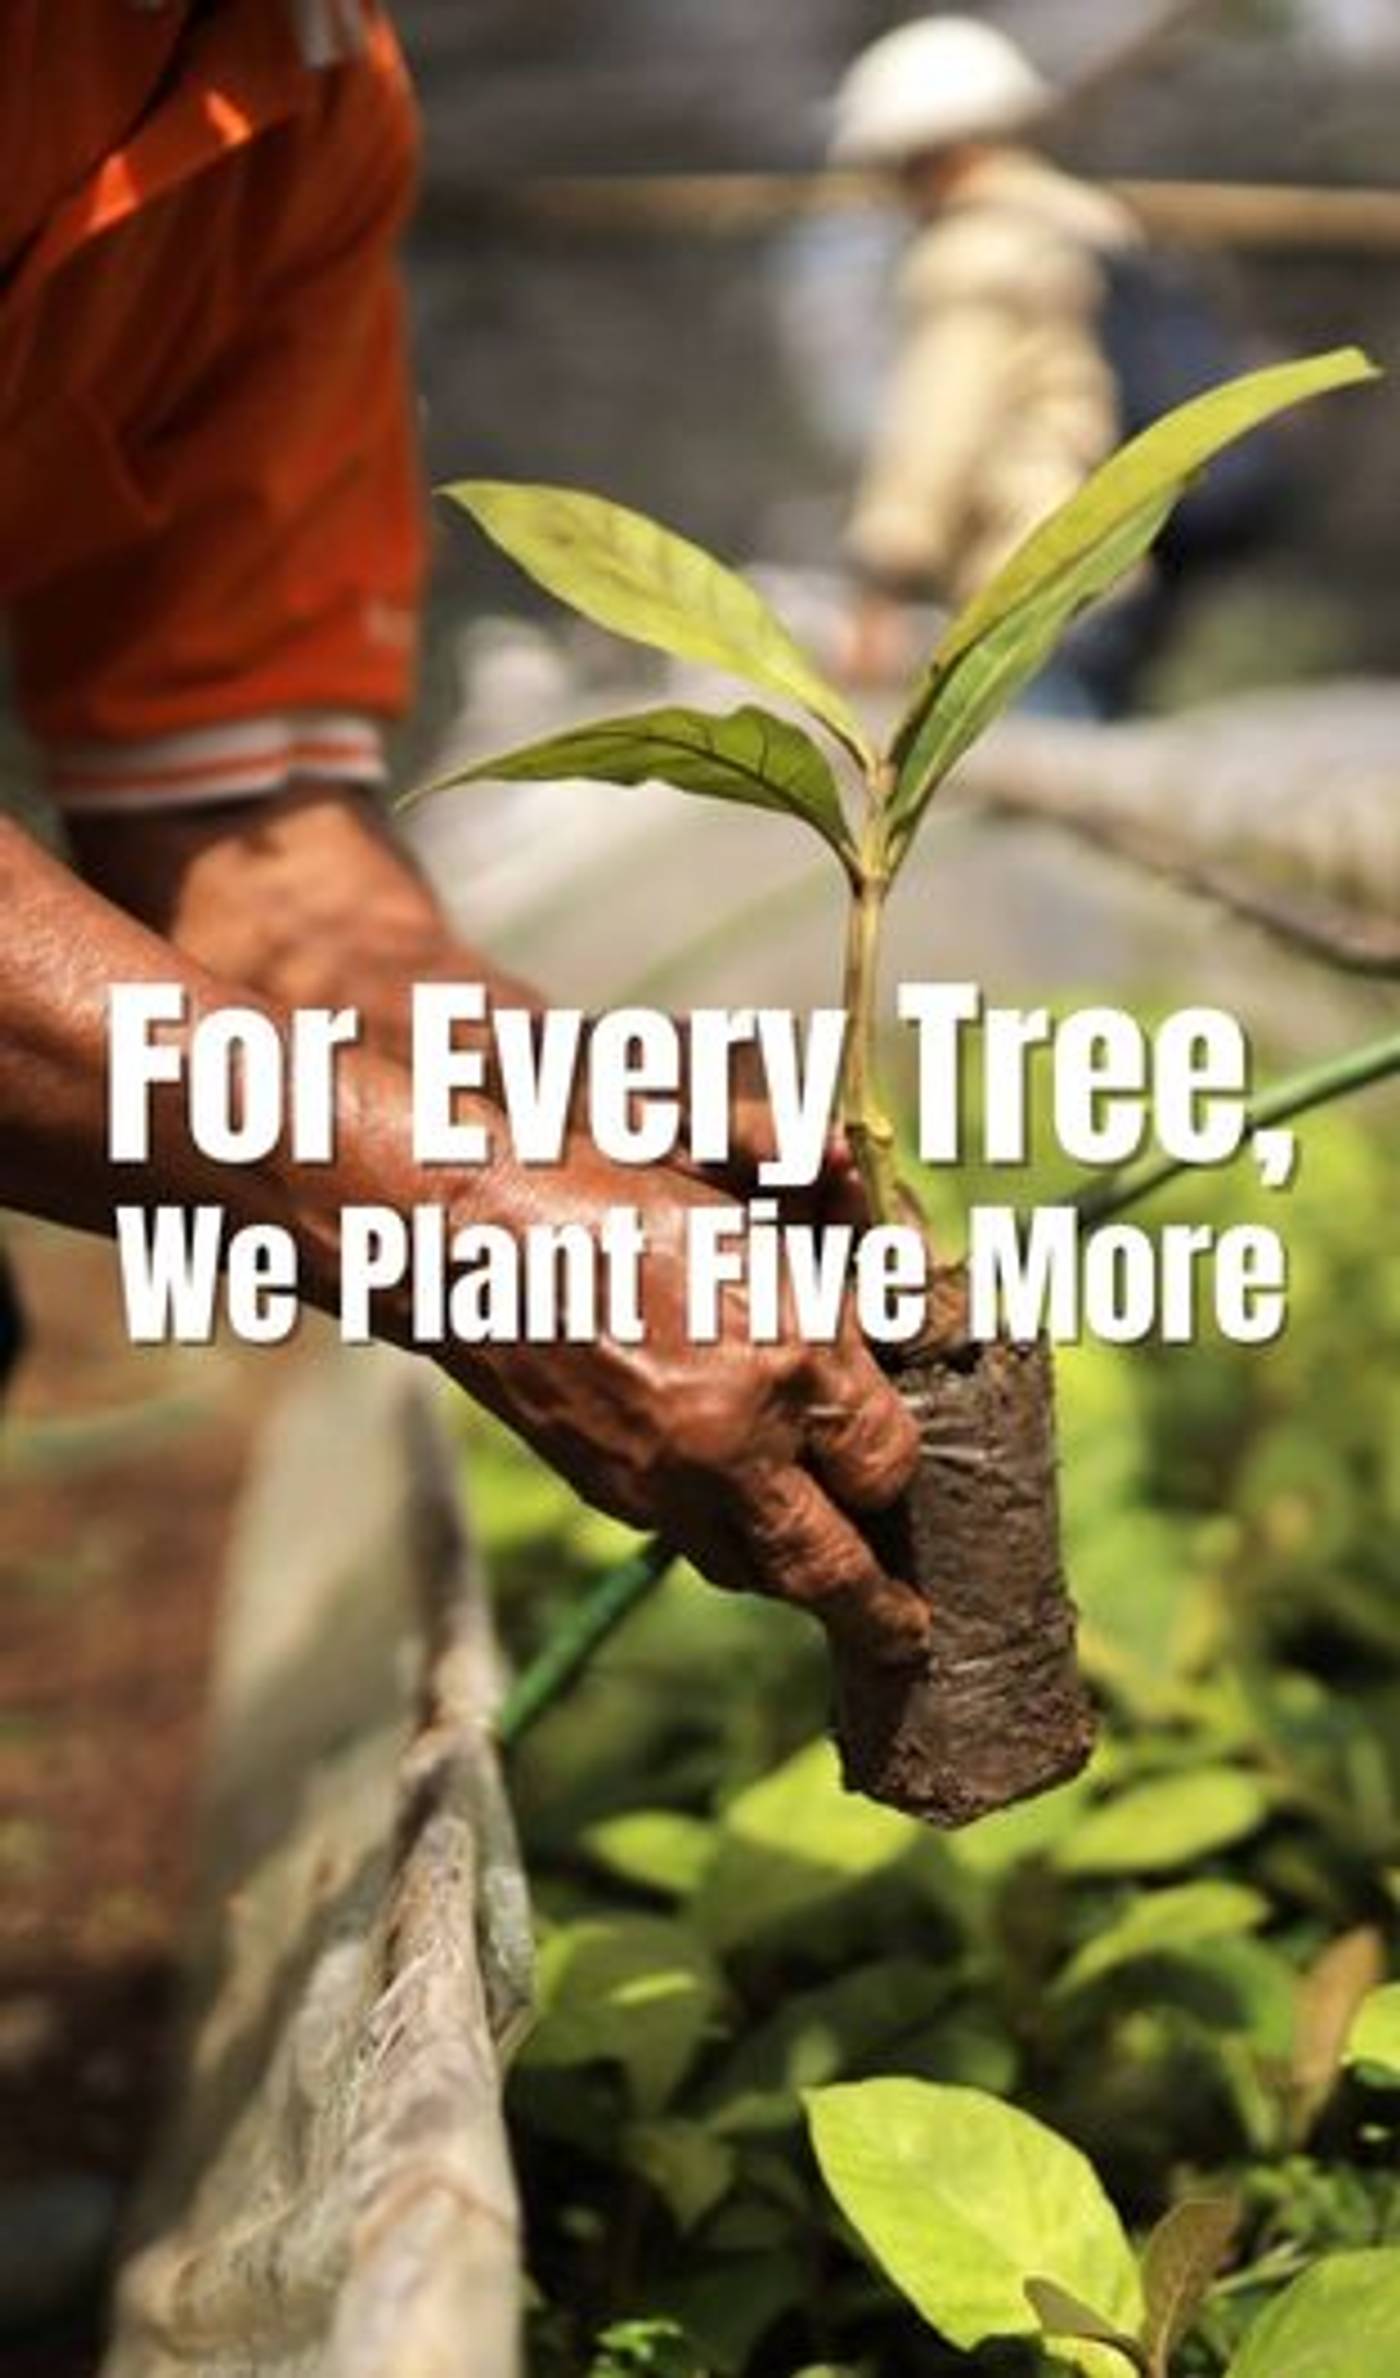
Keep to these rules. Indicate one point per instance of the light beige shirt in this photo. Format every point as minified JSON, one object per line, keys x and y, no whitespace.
{"x":1002,"y":401}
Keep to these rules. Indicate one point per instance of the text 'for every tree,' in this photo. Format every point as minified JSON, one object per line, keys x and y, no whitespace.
{"x":999,"y":1711}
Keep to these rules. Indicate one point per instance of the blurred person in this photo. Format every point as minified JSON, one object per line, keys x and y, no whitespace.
{"x":1004,"y":396}
{"x":211,"y":559}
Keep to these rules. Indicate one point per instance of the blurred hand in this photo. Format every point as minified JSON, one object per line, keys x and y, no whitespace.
{"x":878,"y":647}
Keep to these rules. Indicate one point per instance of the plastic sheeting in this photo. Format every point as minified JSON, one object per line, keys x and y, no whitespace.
{"x":334,"y":2193}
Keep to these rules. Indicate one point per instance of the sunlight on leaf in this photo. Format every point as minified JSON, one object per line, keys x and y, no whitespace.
{"x":660,"y":1848}
{"x":747,"y":756}
{"x":1374,"y":2037}
{"x":1163,"y":1921}
{"x":1166,"y":1822}
{"x":631,"y":575}
{"x":1340,"y":2320}
{"x":1004,"y":636}
{"x":1064,"y":2315}
{"x":790,"y":1842}
{"x":960,"y":2199}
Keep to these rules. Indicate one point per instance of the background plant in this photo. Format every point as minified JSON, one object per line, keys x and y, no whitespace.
{"x":1177,"y":1964}
{"x":1148,"y":2010}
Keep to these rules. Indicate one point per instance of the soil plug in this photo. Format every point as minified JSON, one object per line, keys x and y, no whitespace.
{"x":999,"y":1710}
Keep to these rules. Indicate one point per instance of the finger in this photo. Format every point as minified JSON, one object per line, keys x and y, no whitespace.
{"x":838,"y":1193}
{"x":860,"y":1436}
{"x":798,"y":1546}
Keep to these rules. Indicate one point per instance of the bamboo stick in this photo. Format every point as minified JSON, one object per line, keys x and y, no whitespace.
{"x":1252,"y":215}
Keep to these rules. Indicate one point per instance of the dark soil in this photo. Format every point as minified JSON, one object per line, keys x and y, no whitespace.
{"x":999,"y":1711}
{"x":118,"y":1474}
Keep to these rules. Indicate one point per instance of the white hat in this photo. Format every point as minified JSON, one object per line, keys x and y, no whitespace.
{"x":932,"y":82}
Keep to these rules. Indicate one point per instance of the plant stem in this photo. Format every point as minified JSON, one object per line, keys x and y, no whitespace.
{"x":576,"y":1640}
{"x":867,"y":1126}
{"x":1317,"y":1085}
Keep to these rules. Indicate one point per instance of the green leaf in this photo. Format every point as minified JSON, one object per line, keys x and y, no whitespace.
{"x":822,"y":2035}
{"x":635,"y":1991}
{"x":1340,"y":2320}
{"x":791,"y":1842}
{"x":690,"y":2169}
{"x":749,"y":756}
{"x":986,"y":678}
{"x":1003,"y":637}
{"x":1163,"y":1922}
{"x":996,"y":1845}
{"x":1181,"y":2258}
{"x":960,"y":2199}
{"x":1374,"y":2037}
{"x":646,"y":2349}
{"x":1063,"y":2315}
{"x":727,"y":2302}
{"x":641,"y":580}
{"x":1167,"y":1822}
{"x":659,"y":1848}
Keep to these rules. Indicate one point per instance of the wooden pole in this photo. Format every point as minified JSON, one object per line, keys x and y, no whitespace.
{"x":1254,"y":215}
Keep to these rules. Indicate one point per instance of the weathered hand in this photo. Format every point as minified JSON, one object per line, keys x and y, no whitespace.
{"x":837,"y":1194}
{"x":750,"y":1459}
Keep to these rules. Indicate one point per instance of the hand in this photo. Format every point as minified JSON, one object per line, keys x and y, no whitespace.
{"x":877,"y":646}
{"x":749,"y":1459}
{"x":307,"y":900}
{"x":837,"y":1194}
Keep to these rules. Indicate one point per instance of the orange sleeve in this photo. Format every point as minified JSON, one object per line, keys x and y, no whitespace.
{"x":263,"y":614}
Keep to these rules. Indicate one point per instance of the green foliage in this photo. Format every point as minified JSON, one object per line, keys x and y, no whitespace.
{"x":750,"y":756}
{"x":1373,"y":2041}
{"x":1342,"y":2318}
{"x":631,"y":1991}
{"x":1063,"y":2315}
{"x":645,"y":2349}
{"x":1165,"y":1823}
{"x":790,"y":1843}
{"x":1163,"y":1921}
{"x":959,"y":2198}
{"x":1193,"y":2026}
{"x":630,"y":574}
{"x":1008,"y":631}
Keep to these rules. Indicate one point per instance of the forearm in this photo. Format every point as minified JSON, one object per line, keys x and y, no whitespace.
{"x":307,"y":898}
{"x":62,"y":948}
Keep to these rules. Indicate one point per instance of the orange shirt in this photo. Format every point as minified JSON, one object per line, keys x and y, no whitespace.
{"x":210,"y":508}
{"x":67,"y":102}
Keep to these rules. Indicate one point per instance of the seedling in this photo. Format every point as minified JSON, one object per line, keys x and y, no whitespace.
{"x":1000,"y":1711}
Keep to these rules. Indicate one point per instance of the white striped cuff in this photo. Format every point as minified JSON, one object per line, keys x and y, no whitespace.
{"x":330,"y":31}
{"x":229,"y":763}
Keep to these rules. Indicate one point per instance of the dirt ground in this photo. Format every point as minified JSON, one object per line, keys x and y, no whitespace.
{"x":119,"y":1469}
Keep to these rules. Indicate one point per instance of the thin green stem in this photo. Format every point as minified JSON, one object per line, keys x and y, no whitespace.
{"x":866,"y":1124}
{"x":1316,"y":1085}
{"x":578,"y":1639}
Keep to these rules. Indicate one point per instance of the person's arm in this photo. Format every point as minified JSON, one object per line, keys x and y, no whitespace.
{"x":308,"y":898}
{"x":749,"y":1459}
{"x":305,"y":895}
{"x":935,"y":438}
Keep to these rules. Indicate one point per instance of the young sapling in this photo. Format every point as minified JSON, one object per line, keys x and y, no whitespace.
{"x":998,"y":1711}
